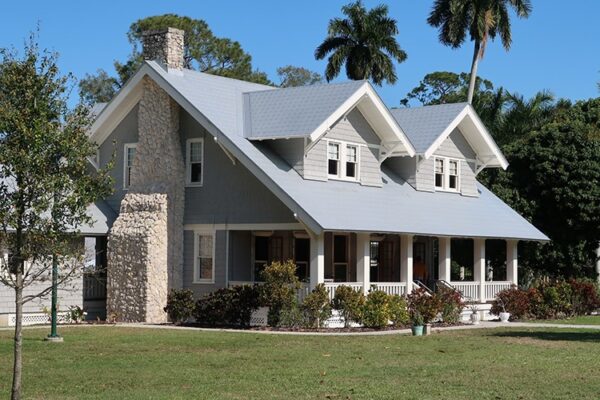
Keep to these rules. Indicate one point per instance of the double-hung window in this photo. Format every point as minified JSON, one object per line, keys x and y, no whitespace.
{"x":204,"y":266}
{"x":129,"y":155}
{"x":194,"y":161}
{"x":446,"y":174}
{"x":342,"y":160}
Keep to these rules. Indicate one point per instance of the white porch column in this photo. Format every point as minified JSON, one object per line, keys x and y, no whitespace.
{"x":512,"y":264}
{"x":406,"y":265}
{"x":479,"y":266}
{"x":598,"y":263}
{"x":444,"y":258}
{"x":363,"y":260}
{"x":317,"y":260}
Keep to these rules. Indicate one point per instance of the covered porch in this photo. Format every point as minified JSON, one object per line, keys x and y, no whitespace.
{"x":393,"y":263}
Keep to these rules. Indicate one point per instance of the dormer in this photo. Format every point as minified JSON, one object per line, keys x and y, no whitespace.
{"x":338,"y":132}
{"x":452,"y":146}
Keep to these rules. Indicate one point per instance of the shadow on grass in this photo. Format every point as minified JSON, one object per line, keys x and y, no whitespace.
{"x":573,"y":336}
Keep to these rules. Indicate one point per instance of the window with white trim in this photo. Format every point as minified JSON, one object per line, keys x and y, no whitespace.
{"x":446,"y":174}
{"x":204,"y":264}
{"x":129,"y":155}
{"x":194,"y":161}
{"x":342,"y":160}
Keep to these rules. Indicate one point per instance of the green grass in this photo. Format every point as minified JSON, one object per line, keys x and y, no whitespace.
{"x":116,"y":363}
{"x":584,"y":320}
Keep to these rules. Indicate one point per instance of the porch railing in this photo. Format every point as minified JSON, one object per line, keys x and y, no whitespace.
{"x":393,"y":288}
{"x":469,"y":290}
{"x":332,"y":286}
{"x":494,"y":287}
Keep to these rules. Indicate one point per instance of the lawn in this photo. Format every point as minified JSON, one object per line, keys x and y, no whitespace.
{"x":583,"y":320}
{"x":115,"y":363}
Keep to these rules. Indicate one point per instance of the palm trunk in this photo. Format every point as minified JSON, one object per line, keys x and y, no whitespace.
{"x":18,"y":360}
{"x":473,"y":77}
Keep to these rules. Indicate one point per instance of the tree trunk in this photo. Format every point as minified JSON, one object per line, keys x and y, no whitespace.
{"x":473,"y":77}
{"x":18,"y":360}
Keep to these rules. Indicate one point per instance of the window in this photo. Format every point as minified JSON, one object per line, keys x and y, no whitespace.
{"x":266,"y":250}
{"x":351,"y":161}
{"x":340,"y":258}
{"x":302,"y":258}
{"x":204,"y":268}
{"x":446,"y":174}
{"x":342,"y":160}
{"x":333,"y":159}
{"x":194,"y":161}
{"x":128,"y":157}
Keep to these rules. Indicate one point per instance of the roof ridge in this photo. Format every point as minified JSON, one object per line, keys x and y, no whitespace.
{"x":324,"y":84}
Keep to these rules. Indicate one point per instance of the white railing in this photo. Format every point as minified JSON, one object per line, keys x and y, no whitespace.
{"x":469,"y":290}
{"x":393,"y":288}
{"x":494,"y":287}
{"x":331,"y":287}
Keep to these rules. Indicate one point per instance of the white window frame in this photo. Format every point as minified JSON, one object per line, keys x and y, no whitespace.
{"x":188,"y":162}
{"x":343,"y":152}
{"x":446,"y":174}
{"x":126,"y":148}
{"x":197,"y":235}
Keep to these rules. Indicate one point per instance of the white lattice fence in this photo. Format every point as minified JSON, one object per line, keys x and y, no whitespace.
{"x":38,"y":319}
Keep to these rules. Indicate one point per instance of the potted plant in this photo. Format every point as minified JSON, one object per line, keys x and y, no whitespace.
{"x":504,"y":316}
{"x":417,"y":324}
{"x":475,"y":315}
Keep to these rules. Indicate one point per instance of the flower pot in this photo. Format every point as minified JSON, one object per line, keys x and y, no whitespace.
{"x":417,"y":330}
{"x":427,"y":329}
{"x":504,"y":316}
{"x":475,"y":318}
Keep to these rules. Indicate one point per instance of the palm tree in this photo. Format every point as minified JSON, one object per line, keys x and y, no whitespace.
{"x":481,"y":19}
{"x":365,"y":41}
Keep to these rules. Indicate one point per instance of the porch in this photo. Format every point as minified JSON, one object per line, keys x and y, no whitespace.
{"x":396,"y":264}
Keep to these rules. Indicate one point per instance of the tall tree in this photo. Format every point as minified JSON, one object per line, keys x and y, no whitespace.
{"x":203,"y":51}
{"x":365,"y":42}
{"x":45,"y":184}
{"x":482,"y":20}
{"x":290,"y":76}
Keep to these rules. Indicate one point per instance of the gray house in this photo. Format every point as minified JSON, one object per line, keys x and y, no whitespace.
{"x":215,"y":178}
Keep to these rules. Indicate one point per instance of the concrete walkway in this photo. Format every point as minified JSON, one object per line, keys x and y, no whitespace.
{"x":482,"y":325}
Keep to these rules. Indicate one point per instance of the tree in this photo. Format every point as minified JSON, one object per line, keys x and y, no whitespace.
{"x":365,"y":42}
{"x":203,"y":51}
{"x":45,"y":184}
{"x":481,"y":19}
{"x":290,"y":76}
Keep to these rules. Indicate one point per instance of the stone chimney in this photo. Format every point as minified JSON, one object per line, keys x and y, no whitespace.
{"x":165,"y":47}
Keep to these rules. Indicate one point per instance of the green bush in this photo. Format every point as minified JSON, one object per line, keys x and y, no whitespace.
{"x":451,"y":302}
{"x":292,"y":317}
{"x":279,"y":289}
{"x":376,"y":310}
{"x":228,"y":306}
{"x":180,"y":305}
{"x":349,"y":303}
{"x":398,"y":308}
{"x":317,"y":307}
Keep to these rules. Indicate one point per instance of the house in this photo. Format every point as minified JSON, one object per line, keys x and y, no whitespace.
{"x":215,"y":178}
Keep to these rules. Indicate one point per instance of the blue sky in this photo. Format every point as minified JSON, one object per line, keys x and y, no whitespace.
{"x":557,"y":48}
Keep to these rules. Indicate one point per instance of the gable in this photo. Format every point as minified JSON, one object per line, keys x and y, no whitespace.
{"x":456,"y":146}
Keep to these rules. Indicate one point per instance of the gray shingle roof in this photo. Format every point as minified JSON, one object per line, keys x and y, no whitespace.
{"x":396,"y":207}
{"x":423,"y":125}
{"x":293,"y":112}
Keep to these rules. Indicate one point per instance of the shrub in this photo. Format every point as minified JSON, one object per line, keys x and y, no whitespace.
{"x":427,"y":305}
{"x":279,"y":289}
{"x":376,"y":311}
{"x":180,"y":305}
{"x":317,"y":307}
{"x":349,"y":303}
{"x":585,"y":296}
{"x":398,"y":309}
{"x":228,"y":306}
{"x":514,"y":301}
{"x":451,"y":302}
{"x":292,"y":317}
{"x":551,"y":300}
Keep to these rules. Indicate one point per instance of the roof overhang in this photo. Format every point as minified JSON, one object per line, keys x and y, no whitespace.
{"x":478,"y":137}
{"x":368,"y":102}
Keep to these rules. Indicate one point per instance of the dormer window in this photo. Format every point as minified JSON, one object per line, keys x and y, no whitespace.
{"x":447,"y":171}
{"x":342,"y":160}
